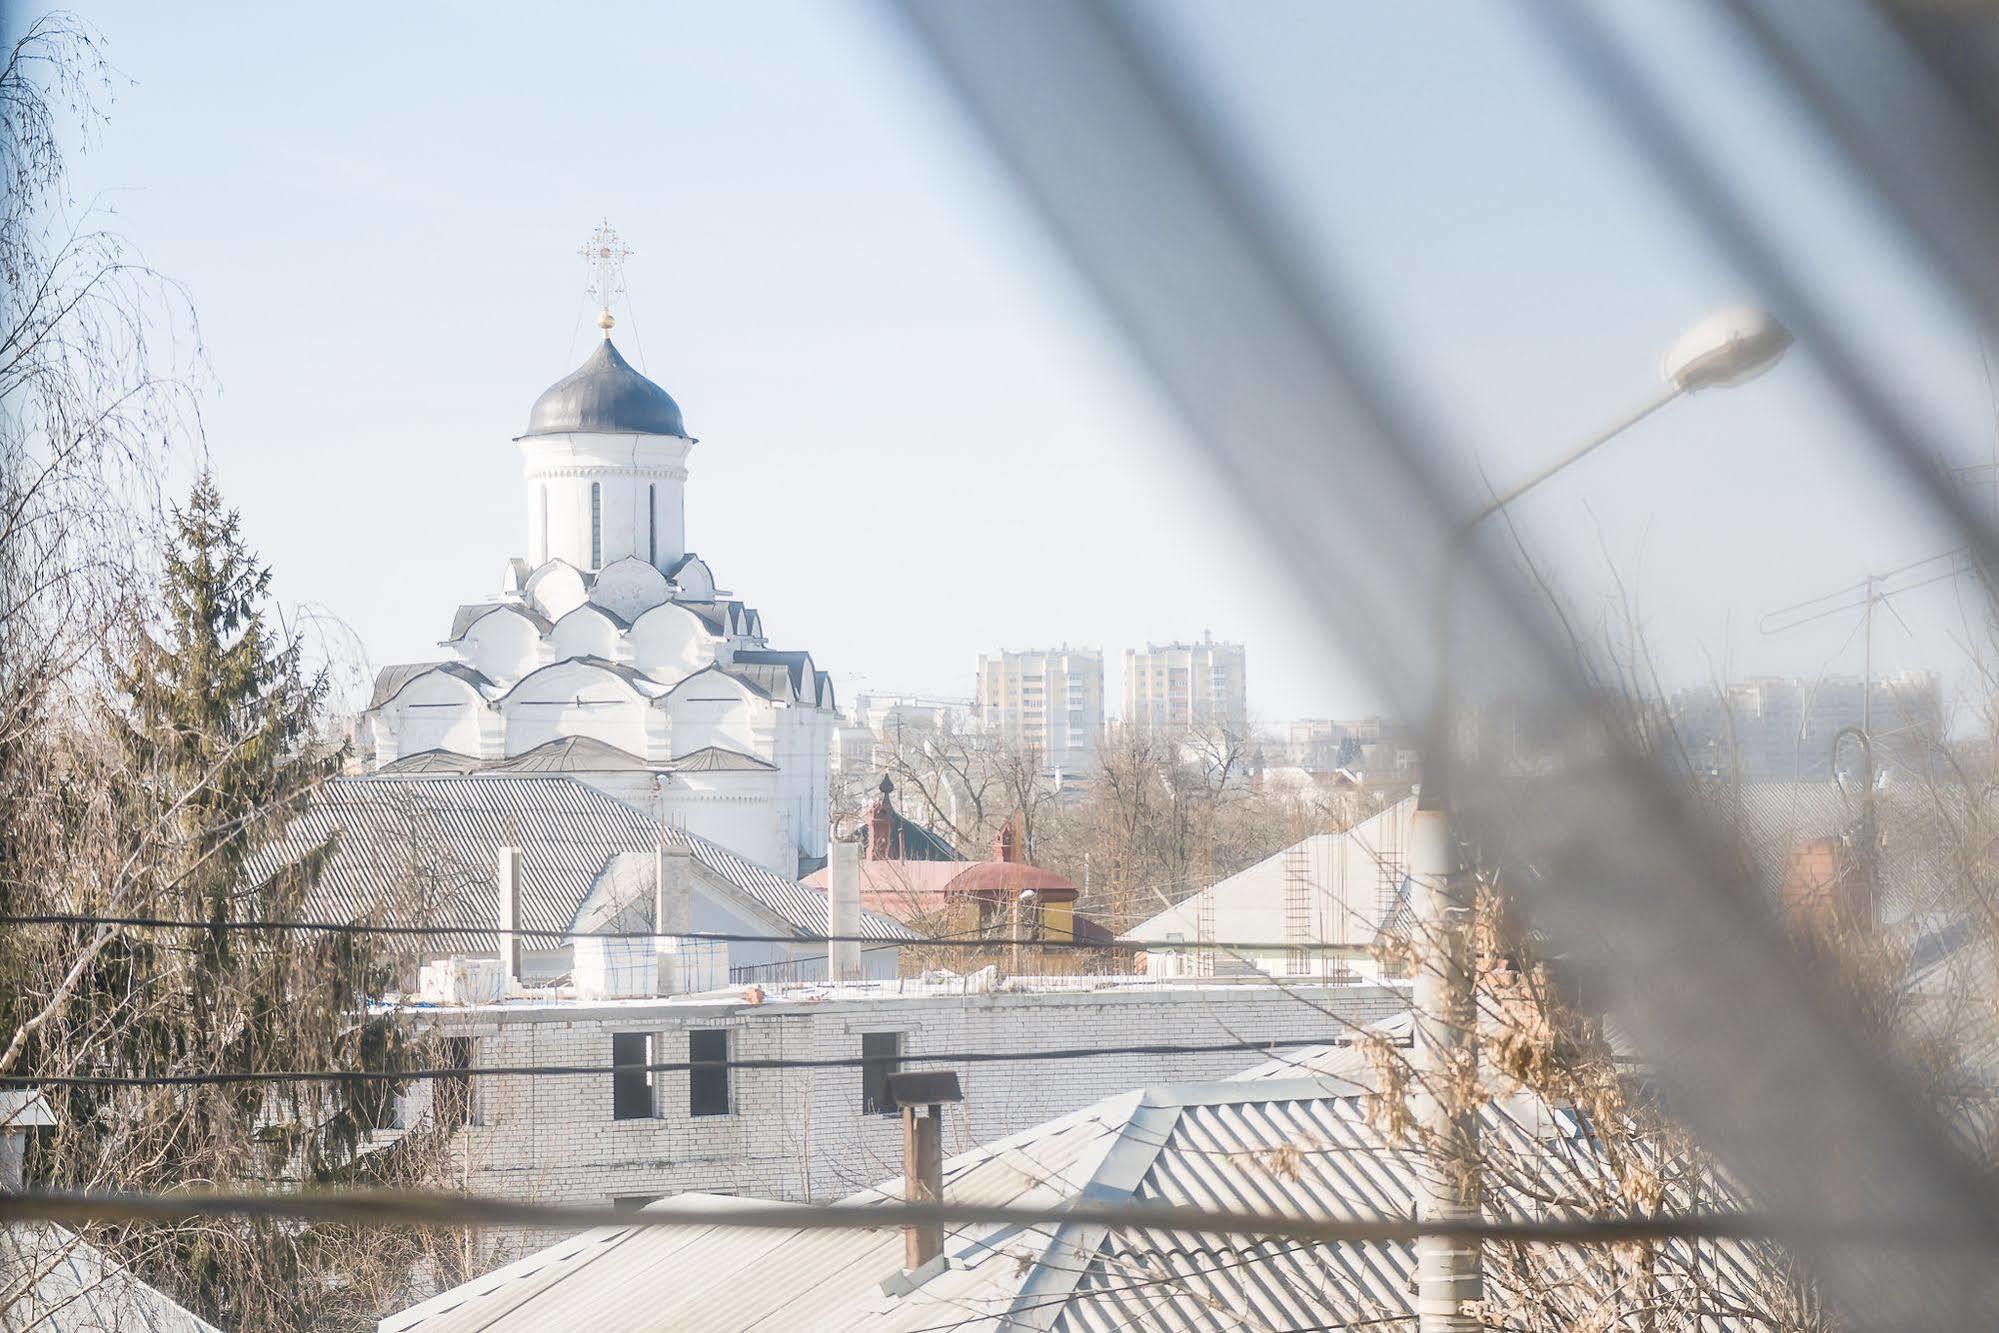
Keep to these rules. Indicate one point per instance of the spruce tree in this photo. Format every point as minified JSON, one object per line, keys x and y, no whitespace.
{"x":212,"y":748}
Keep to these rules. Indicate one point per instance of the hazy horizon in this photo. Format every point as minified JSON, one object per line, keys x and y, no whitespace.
{"x":903,"y":398}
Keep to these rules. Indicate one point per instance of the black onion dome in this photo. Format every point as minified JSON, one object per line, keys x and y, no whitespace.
{"x":605,"y":396}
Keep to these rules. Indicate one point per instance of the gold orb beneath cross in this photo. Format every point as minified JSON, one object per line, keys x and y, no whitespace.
{"x":604,"y":320}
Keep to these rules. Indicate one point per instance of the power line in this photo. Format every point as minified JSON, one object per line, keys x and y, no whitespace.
{"x":705,"y":936}
{"x":250,"y":1076}
{"x":409,"y":1208}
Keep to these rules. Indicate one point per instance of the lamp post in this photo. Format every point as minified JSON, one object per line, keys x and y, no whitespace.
{"x":1727,"y":348}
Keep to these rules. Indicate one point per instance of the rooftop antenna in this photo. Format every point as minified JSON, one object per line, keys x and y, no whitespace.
{"x":606,"y":253}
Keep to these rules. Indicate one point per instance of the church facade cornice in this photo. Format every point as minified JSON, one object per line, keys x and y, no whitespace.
{"x":560,"y":471}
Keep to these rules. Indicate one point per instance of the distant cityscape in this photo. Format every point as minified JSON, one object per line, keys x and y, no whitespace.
{"x":1051,"y":703}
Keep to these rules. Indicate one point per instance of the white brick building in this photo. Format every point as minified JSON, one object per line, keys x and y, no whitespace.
{"x":804,"y":1134}
{"x":1341,"y":889}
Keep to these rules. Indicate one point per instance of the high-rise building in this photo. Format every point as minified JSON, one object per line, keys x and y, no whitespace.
{"x":1783,"y":727}
{"x":1051,"y":701}
{"x":1173,"y":688}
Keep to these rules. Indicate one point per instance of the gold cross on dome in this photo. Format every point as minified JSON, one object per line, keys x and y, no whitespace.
{"x":605,"y":253}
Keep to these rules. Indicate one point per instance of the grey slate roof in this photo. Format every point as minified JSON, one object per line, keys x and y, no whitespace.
{"x":682,"y":563}
{"x":422,"y":850}
{"x":1299,"y":1147}
{"x":772,"y":680}
{"x":715,"y":615}
{"x":571,"y":754}
{"x":435,"y":761}
{"x":604,"y":395}
{"x":797,"y":665}
{"x":391,"y":679}
{"x":719,"y":759}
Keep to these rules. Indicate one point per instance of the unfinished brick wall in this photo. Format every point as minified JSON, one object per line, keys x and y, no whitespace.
{"x":800,"y":1134}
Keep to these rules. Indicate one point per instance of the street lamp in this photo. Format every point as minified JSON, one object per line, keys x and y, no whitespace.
{"x":1728,"y":348}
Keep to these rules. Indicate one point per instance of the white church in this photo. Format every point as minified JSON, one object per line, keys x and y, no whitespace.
{"x":609,"y":653}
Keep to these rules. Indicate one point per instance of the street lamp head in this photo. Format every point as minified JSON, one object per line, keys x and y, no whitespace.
{"x":1727,"y":348}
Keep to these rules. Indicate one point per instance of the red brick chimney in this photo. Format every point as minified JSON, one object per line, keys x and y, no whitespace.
{"x":1006,"y":846}
{"x":881,"y":826}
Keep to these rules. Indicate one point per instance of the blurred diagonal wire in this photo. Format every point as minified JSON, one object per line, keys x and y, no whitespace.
{"x":376,"y":1208}
{"x":1188,"y":254}
{"x":1905,"y":93}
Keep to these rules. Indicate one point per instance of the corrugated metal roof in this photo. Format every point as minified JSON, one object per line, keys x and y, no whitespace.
{"x":1919,"y":825}
{"x":423,"y":848}
{"x":1299,"y":1146}
{"x":76,"y":1289}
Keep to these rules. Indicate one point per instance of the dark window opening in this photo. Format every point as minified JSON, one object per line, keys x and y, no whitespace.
{"x":596,"y":526}
{"x":632,"y":1203}
{"x":881,"y":1054}
{"x":631,"y":1081}
{"x":652,"y":523}
{"x":708,"y":1075}
{"x":452,"y":1099}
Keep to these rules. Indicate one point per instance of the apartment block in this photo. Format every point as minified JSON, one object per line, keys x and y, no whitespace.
{"x":1050,"y":700}
{"x":1173,"y":688}
{"x":1783,"y":727}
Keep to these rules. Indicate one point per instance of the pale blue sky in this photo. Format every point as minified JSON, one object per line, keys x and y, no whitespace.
{"x":918,"y":440}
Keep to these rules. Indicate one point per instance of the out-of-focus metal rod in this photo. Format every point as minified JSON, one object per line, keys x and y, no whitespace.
{"x":1885,"y":102}
{"x":1312,"y":434}
{"x":1638,"y":109}
{"x":1577,"y":454}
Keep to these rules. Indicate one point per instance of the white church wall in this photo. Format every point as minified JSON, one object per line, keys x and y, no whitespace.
{"x":640,"y":481}
{"x":630,"y":588}
{"x":669,"y":643}
{"x":504,"y":645}
{"x":588,"y":631}
{"x":735,"y":809}
{"x":800,"y":742}
{"x":710,"y":708}
{"x":695,"y":580}
{"x":556,"y":589}
{"x":434,"y":712}
{"x":574,"y":699}
{"x":638,"y":787}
